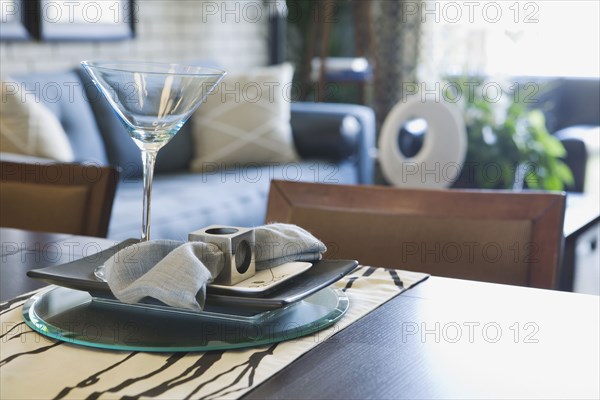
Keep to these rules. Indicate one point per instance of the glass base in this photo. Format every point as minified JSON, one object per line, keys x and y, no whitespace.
{"x":76,"y":317}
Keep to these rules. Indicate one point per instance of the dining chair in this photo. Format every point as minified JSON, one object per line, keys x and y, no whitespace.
{"x":492,"y":236}
{"x":62,"y":198}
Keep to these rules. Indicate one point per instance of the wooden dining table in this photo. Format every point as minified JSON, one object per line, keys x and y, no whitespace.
{"x":443,"y":338}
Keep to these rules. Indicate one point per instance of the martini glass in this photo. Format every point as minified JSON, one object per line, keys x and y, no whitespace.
{"x":153,"y":101}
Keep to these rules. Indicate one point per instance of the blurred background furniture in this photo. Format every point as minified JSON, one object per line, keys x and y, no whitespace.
{"x":321,"y":69}
{"x":581,"y":257}
{"x":64,"y":198}
{"x":335,"y":143}
{"x":491,"y":236}
{"x":572,"y":110}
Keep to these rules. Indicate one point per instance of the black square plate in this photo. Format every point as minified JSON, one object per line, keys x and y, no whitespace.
{"x":79,"y":275}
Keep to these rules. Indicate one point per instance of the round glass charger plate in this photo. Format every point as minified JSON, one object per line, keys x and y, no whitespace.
{"x":76,"y":317}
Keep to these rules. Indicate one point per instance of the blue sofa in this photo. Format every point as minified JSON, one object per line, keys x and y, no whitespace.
{"x":336,"y":144}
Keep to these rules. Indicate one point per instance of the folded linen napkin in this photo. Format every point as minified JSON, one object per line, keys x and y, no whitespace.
{"x":173,"y":272}
{"x":278,"y":244}
{"x":176,"y":273}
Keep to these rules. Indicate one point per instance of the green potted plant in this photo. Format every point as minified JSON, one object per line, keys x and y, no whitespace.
{"x":509,"y":146}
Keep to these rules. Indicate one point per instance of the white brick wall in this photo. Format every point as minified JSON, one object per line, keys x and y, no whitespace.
{"x":166,"y":30}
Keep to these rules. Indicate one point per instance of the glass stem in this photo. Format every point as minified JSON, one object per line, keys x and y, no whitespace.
{"x":148,"y":159}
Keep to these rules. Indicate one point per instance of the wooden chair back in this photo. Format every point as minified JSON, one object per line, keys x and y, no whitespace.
{"x":64,"y":198}
{"x":493,"y":236}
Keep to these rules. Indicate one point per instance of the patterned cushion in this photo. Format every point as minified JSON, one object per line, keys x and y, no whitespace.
{"x":63,"y":94}
{"x":246,"y":120}
{"x":28,"y":127}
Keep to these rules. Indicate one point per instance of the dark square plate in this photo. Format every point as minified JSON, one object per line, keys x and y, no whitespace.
{"x":79,"y":275}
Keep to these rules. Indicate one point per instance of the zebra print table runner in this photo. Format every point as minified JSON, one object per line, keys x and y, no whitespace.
{"x":33,"y":366}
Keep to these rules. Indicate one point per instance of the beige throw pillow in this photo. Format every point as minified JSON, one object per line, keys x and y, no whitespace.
{"x":246,"y":120}
{"x":28,"y":127}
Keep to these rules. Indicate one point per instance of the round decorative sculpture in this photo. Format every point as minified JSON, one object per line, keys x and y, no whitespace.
{"x":423,"y":144}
